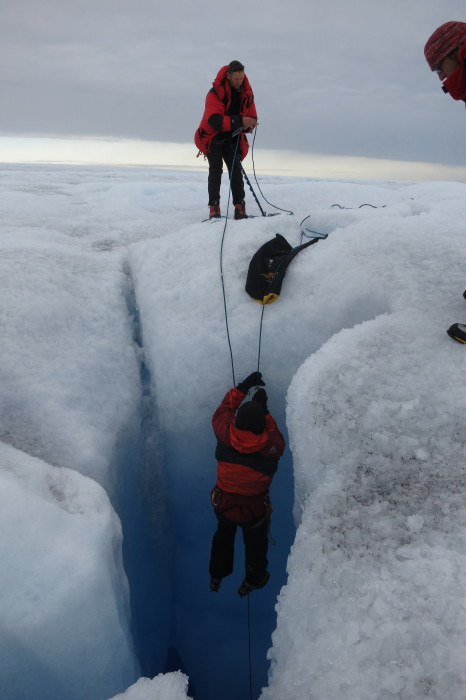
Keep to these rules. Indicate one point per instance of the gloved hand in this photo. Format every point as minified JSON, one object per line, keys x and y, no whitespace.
{"x":254,"y":379}
{"x":260,"y":395}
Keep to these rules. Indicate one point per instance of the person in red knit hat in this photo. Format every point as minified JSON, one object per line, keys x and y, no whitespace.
{"x":229,"y":113}
{"x":445,"y":52}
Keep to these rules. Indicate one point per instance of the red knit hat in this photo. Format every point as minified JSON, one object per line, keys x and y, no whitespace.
{"x":443,"y":41}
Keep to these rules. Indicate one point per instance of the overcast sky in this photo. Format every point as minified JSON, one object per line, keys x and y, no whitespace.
{"x":331,"y":77}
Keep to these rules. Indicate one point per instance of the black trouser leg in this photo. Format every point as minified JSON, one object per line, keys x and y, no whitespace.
{"x":223,"y":548}
{"x":214,"y":180}
{"x":218,"y":153}
{"x":256,"y":542}
{"x":236,"y":176}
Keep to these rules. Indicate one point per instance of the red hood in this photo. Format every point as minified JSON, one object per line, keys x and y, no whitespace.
{"x":246,"y":442}
{"x":221,"y":84}
{"x":221,"y":76}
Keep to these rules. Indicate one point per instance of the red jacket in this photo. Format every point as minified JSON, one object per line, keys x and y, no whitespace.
{"x":216,"y":118}
{"x":246,"y":462}
{"x":455,"y":84}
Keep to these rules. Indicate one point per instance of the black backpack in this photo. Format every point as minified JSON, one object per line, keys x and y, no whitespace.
{"x":268,"y":266}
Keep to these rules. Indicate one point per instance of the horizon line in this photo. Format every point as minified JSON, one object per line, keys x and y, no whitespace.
{"x":119,"y":152}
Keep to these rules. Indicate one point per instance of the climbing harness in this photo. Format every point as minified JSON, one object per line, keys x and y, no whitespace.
{"x":246,"y":513}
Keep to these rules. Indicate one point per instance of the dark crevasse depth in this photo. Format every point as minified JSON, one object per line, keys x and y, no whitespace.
{"x":168,"y":523}
{"x":142,"y":505}
{"x":210,"y":630}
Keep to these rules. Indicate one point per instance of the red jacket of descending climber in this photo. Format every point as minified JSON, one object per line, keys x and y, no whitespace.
{"x":216,"y":118}
{"x":246,"y":462}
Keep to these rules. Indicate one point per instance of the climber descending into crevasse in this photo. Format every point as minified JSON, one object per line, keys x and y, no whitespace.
{"x":249,"y":445}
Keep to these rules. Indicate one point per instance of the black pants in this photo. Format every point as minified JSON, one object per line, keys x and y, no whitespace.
{"x":256,"y":543}
{"x":224,"y":151}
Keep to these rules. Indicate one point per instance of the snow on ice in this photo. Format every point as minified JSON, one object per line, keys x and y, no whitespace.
{"x":166,"y":686}
{"x":106,"y":271}
{"x":64,"y":598}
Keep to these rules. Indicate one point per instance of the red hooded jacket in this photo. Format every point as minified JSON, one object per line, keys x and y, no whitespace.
{"x":216,"y":118}
{"x":246,"y":462}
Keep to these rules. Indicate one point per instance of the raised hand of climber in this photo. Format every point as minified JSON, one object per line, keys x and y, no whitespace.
{"x":254,"y":379}
{"x":260,"y":397}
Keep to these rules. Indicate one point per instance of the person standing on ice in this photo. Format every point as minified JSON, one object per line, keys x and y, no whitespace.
{"x":249,"y":445}
{"x":229,"y":113}
{"x":445,"y":52}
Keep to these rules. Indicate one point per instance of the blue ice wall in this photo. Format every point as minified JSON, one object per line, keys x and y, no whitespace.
{"x":177,"y":623}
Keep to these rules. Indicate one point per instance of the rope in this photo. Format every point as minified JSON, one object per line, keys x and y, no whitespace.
{"x":221,"y":266}
{"x":304,"y":232}
{"x":249,"y":648}
{"x":251,"y":188}
{"x":288,"y":211}
{"x":318,"y":234}
{"x":237,"y":161}
{"x":233,"y":372}
{"x":360,"y":206}
{"x":260,"y":338}
{"x":225,"y":310}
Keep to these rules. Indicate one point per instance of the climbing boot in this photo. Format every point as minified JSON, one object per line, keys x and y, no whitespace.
{"x":458,"y":332}
{"x":240,"y":211}
{"x":246,"y":587}
{"x":214,"y":210}
{"x":215,"y":584}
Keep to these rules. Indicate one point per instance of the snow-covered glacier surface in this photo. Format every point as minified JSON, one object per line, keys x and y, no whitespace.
{"x":114,"y":356}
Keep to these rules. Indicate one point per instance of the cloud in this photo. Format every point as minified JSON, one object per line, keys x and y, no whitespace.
{"x":332,"y":78}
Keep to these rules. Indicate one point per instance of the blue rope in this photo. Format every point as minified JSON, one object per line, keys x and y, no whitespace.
{"x":314,"y":234}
